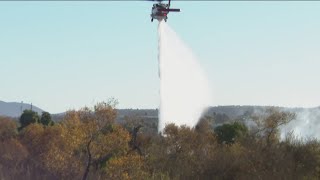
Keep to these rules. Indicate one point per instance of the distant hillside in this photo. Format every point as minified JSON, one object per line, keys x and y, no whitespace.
{"x":231,"y":111}
{"x":137,"y":112}
{"x":220,"y":114}
{"x":13,"y":109}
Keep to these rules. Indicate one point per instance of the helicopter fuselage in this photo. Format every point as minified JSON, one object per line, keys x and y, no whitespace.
{"x":159,"y":12}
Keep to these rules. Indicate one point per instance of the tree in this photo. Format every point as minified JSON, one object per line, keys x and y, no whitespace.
{"x":228,"y":133}
{"x":46,"y":119}
{"x":268,"y":126}
{"x":135,"y":146}
{"x":102,"y":139}
{"x":131,"y":166}
{"x":12,"y":155}
{"x":8,"y":128}
{"x":181,"y":152}
{"x":28,"y":117}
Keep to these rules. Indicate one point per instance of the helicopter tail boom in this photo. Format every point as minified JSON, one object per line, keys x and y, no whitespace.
{"x":173,"y":10}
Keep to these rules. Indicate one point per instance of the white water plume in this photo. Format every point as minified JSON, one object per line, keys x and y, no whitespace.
{"x":184,"y":89}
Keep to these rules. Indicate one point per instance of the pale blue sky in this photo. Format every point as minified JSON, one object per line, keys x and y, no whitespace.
{"x":62,"y":55}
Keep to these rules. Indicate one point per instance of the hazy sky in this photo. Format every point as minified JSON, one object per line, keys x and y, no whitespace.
{"x":62,"y":55}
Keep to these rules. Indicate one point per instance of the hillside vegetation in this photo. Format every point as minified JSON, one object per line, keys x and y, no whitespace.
{"x":90,"y":144}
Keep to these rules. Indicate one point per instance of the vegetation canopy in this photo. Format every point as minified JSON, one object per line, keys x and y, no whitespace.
{"x":91,"y":144}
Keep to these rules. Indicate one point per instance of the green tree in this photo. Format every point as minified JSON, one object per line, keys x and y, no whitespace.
{"x":228,"y":133}
{"x":28,"y":117}
{"x":46,"y":119}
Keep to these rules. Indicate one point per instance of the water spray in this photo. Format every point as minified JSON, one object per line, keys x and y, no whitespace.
{"x":184,"y":89}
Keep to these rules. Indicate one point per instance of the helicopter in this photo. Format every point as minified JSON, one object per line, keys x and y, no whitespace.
{"x":161,"y":10}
